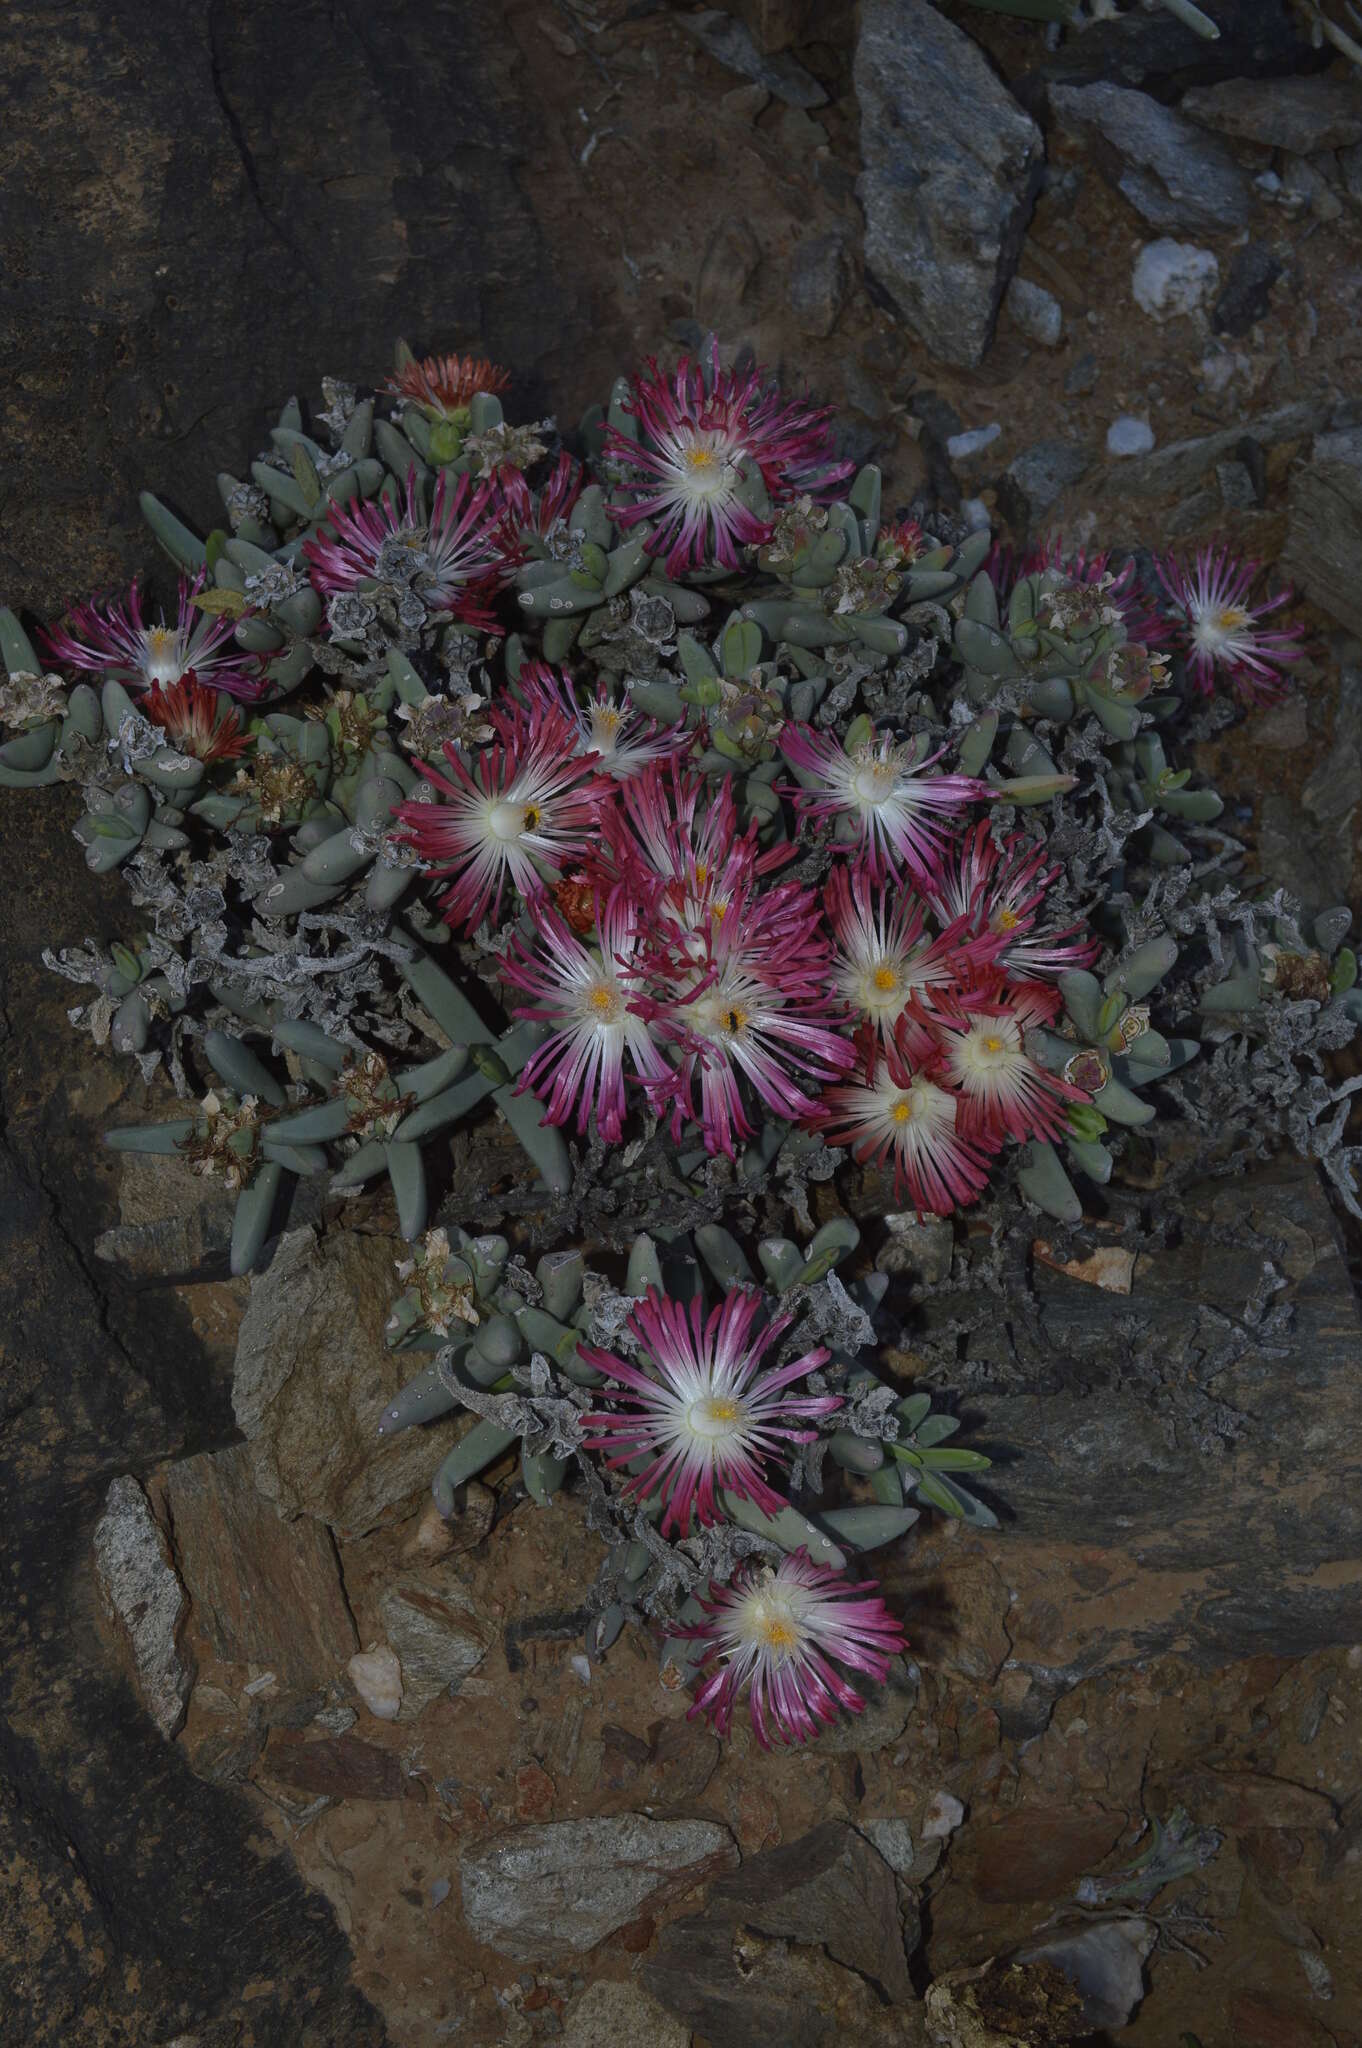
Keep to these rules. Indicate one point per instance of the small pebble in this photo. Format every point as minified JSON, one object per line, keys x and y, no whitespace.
{"x":976,"y":514}
{"x":439,"y":1891}
{"x":1173,"y":277}
{"x":377,"y":1677}
{"x":943,"y":1816}
{"x":1129,"y":436}
{"x":1082,"y":378}
{"x":961,"y":446}
{"x":1035,"y":311}
{"x":582,"y":1666}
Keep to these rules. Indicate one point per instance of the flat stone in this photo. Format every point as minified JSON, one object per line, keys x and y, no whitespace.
{"x":1238,"y":489}
{"x":952,"y":166}
{"x":339,"y":1767}
{"x":1037,"y":478}
{"x":541,"y":1894}
{"x":1298,"y":114}
{"x":894,"y":1840}
{"x":1176,"y":469}
{"x":1104,"y":1962}
{"x":621,"y":2016}
{"x":1323,"y":549}
{"x":138,"y":1580}
{"x":1173,"y":173}
{"x":264,"y":1591}
{"x":1034,"y":1853}
{"x":730,"y":44}
{"x":1036,"y":312}
{"x":831,"y":1889}
{"x":727,"y":268}
{"x":820,"y":278}
{"x":313,"y":1376}
{"x":1247,"y":1800}
{"x":1256,"y":39}
{"x":430,"y":1622}
{"x":783,"y":24}
{"x":172,"y":1223}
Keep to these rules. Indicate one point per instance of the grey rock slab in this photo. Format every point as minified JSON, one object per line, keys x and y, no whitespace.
{"x":730,"y":44}
{"x":143,"y":1592}
{"x":894,"y":1840}
{"x":1172,"y":172}
{"x":1323,"y":550}
{"x":1299,"y":114}
{"x":312,"y":1377}
{"x":952,"y":165}
{"x":1180,"y":466}
{"x":540,"y":1894}
{"x":1037,"y":478}
{"x":820,"y":278}
{"x":830,"y":1889}
{"x":430,"y":1621}
{"x":1246,"y":294}
{"x":1036,"y":312}
{"x":609,"y":2015}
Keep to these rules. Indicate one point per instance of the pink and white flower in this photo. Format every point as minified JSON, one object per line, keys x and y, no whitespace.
{"x":542,"y":515}
{"x":903,"y":1108}
{"x":703,"y":430}
{"x":998,"y":892}
{"x":883,"y":790}
{"x":456,"y":561}
{"x":883,"y":957}
{"x":1220,"y":629}
{"x":589,"y":995}
{"x":780,"y":1634}
{"x":624,"y":740}
{"x":114,"y":639}
{"x":711,"y":1419}
{"x":1002,"y":1089}
{"x":524,"y":811}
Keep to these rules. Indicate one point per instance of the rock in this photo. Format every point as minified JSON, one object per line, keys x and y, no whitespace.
{"x":1242,"y":1801}
{"x":952,"y":166}
{"x":621,"y":2016}
{"x":1035,"y":311}
{"x":312,"y":1378}
{"x":263,"y":1591}
{"x":894,"y":1841}
{"x":541,"y":1894}
{"x":132,"y":1562}
{"x":883,"y":1719}
{"x":820,"y":279}
{"x":1172,"y":172}
{"x":1175,"y":470}
{"x":1302,"y":115}
{"x":1261,"y":2021}
{"x":1171,"y":278}
{"x":430,"y":1622}
{"x":739,"y":1989}
{"x":1323,"y":549}
{"x":338,"y":1767}
{"x":1304,"y":186}
{"x":783,"y":24}
{"x":964,"y":447}
{"x":1247,"y":293}
{"x":1034,"y":480}
{"x":172,"y":1223}
{"x":1255,"y":39}
{"x":730,"y":44}
{"x":1129,"y":436}
{"x":1081,"y":379}
{"x":830,"y":1889}
{"x":1105,"y":1962}
{"x":1240,"y":490}
{"x":727,"y":268}
{"x":376,"y":1676}
{"x":1033,"y":1853}
{"x":435,"y":1536}
{"x":943,"y":1816}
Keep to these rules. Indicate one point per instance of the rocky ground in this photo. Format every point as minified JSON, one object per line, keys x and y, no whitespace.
{"x":1129,"y":1718}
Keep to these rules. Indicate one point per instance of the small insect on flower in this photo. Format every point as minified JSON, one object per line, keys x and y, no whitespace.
{"x":904,"y":1109}
{"x":589,"y":997}
{"x":115,"y":640}
{"x":1220,"y":630}
{"x":196,"y":721}
{"x":441,"y":386}
{"x":707,"y":436}
{"x":711,"y":1419}
{"x":781,"y":1635}
{"x":455,"y":561}
{"x":525,"y":810}
{"x":884,"y":792}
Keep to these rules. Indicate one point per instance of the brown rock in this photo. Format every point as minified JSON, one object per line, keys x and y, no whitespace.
{"x":343,"y":1766}
{"x":1259,"y":2021}
{"x":1299,"y":114}
{"x":535,"y":1793}
{"x":1036,"y":1853}
{"x":430,"y":1623}
{"x":262,"y":1590}
{"x":831,"y":1889}
{"x":1246,"y":1800}
{"x":739,"y":1989}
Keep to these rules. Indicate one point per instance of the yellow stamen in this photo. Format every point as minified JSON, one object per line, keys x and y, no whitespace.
{"x":886,"y":980}
{"x":604,"y":1001}
{"x":902,"y":1111}
{"x":701,"y":458}
{"x":1007,"y":920}
{"x":1231,"y":619}
{"x":993,"y":1044}
{"x":778,"y":1635}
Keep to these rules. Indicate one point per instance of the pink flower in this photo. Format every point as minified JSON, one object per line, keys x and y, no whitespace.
{"x":116,"y":641}
{"x":1002,"y":1090}
{"x":542,"y":515}
{"x":998,"y":892}
{"x":883,"y":958}
{"x":747,"y":1000}
{"x":456,"y":560}
{"x":776,"y":1632}
{"x":1221,"y":631}
{"x":882,"y":792}
{"x":905,"y":1107}
{"x":623,"y":739}
{"x":589,"y":997}
{"x":526,"y":810}
{"x":711,"y":1418}
{"x":704,"y":430}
